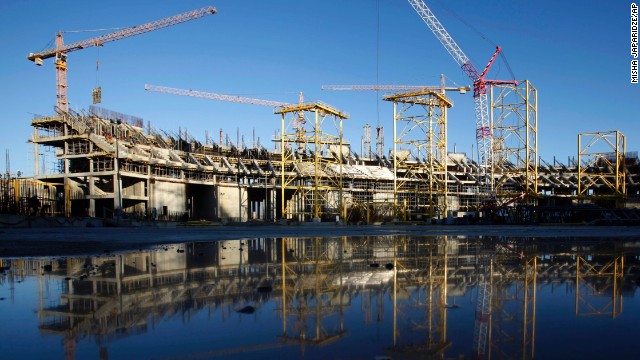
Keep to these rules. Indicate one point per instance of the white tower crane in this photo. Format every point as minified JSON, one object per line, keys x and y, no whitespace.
{"x":299,"y":123}
{"x":484,"y":134}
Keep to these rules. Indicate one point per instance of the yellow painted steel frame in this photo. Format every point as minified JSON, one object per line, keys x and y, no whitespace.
{"x":514,"y":115}
{"x":311,"y":162}
{"x":311,"y":267}
{"x":601,"y":162}
{"x":422,"y":278}
{"x":514,"y":307}
{"x":590,"y":291}
{"x":420,"y":153}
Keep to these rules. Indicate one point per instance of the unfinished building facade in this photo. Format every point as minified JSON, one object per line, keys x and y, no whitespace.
{"x":107,"y":163}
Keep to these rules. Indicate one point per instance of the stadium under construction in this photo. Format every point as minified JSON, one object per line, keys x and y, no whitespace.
{"x":111,"y":164}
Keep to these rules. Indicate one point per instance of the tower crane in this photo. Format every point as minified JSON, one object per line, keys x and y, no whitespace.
{"x":299,"y":123}
{"x":484,"y":133}
{"x":61,"y":50}
{"x":484,"y":139}
{"x":214,"y":96}
{"x":461,"y":89}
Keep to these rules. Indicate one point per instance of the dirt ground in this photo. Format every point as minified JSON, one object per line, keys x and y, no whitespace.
{"x":98,"y":240}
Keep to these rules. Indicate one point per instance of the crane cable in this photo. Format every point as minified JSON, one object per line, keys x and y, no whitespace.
{"x":377,"y":62}
{"x":98,"y":68}
{"x":483,"y":36}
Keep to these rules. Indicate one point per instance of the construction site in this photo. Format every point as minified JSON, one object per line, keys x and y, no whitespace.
{"x":112,"y":165}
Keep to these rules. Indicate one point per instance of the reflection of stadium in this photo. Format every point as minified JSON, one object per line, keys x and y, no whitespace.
{"x":116,"y":295}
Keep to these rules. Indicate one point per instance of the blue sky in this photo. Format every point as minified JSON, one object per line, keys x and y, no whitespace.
{"x":576,"y":53}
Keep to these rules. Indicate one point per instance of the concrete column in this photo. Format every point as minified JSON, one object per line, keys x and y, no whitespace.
{"x":66,"y":160}
{"x":92,"y":202}
{"x":36,"y":162}
{"x":150,"y":197}
{"x":116,"y":189}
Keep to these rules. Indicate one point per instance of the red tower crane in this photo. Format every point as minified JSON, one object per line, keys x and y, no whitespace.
{"x":484,"y":134}
{"x":61,"y":50}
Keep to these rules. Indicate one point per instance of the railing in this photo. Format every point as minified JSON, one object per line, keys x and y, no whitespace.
{"x":27,"y":197}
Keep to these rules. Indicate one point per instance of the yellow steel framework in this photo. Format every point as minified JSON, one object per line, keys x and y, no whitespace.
{"x":513,"y":316}
{"x":601,"y":292}
{"x":311,"y":161}
{"x":420,"y":296}
{"x":420,"y":153}
{"x":514,"y":115}
{"x":601,"y":163}
{"x":312,"y":289}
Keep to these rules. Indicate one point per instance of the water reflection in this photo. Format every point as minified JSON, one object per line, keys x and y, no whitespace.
{"x":431,"y":297}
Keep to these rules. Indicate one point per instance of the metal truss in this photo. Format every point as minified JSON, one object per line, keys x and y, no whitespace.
{"x":420,"y":153}
{"x":420,"y":297}
{"x":601,"y":164}
{"x":365,"y":151}
{"x":514,"y":115}
{"x":312,"y":290}
{"x":311,"y":161}
{"x":512,"y":333}
{"x":598,"y":284}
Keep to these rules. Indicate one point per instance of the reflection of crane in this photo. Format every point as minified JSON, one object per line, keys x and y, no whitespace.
{"x":61,"y":50}
{"x":480,"y":84}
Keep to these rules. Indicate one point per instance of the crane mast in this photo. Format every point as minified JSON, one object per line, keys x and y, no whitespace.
{"x":60,"y":51}
{"x":484,"y":133}
{"x":484,"y":140}
{"x":445,"y":39}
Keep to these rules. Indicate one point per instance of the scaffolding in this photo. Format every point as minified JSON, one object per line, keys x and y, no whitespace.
{"x":514,"y":115}
{"x":101,"y":165}
{"x":311,"y":161}
{"x":28,"y":197}
{"x":365,"y":152}
{"x":420,"y":153}
{"x":513,"y":307}
{"x":420,"y":275}
{"x":312,"y":290}
{"x":379,"y":141}
{"x":601,"y":165}
{"x":599,"y":284}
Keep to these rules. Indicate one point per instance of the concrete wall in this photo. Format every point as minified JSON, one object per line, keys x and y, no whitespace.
{"x":383,"y":196}
{"x":169,"y":260}
{"x":232,"y":202}
{"x":169,"y":194}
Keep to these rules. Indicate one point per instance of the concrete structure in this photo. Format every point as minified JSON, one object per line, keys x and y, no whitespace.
{"x":108,"y":162}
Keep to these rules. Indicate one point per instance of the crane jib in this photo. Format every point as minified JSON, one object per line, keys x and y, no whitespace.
{"x":124,"y":33}
{"x":60,"y":51}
